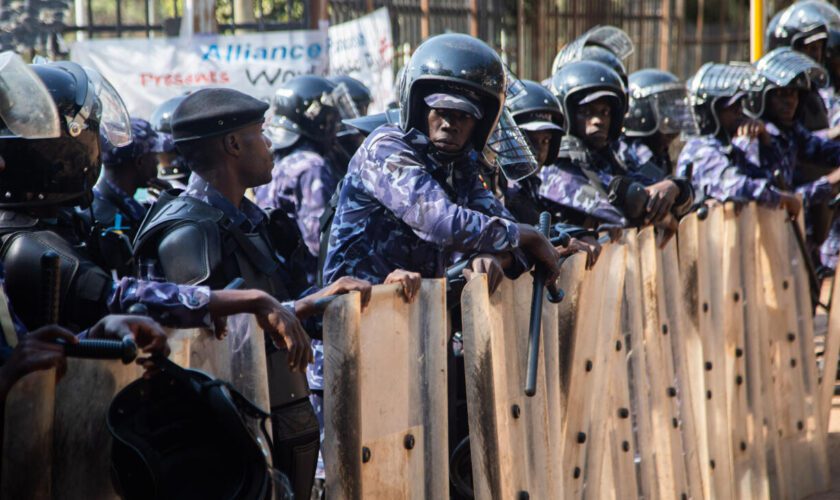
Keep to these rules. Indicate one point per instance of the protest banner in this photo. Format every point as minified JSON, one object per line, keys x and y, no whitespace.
{"x":364,"y":49}
{"x":146,"y":72}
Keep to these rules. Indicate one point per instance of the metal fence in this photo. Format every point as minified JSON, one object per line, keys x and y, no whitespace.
{"x":678,"y":35}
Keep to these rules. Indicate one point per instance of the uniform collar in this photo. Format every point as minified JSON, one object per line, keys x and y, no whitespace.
{"x":248,"y":214}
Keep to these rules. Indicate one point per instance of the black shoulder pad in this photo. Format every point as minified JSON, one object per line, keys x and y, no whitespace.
{"x":22,"y":261}
{"x":167,"y":213}
{"x":188,"y":252}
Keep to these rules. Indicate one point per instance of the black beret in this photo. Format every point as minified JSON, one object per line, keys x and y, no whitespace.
{"x":215,"y":111}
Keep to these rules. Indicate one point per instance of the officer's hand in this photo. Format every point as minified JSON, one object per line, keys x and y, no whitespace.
{"x":661,"y":197}
{"x":540,"y":249}
{"x":286,"y":332}
{"x":667,"y":228}
{"x":347,"y":284}
{"x":409,"y":280}
{"x":146,"y":333}
{"x":754,"y":129}
{"x":587,"y":244}
{"x":791,"y":203}
{"x":37,"y":350}
{"x":488,"y":264}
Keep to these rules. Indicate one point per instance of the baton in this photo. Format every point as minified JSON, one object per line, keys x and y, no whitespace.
{"x":536,"y":317}
{"x":50,"y":287}
{"x":125,"y":349}
{"x":813,"y":281}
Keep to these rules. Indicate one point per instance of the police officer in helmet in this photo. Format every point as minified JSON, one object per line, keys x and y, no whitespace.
{"x":658,"y":113}
{"x":412,"y":198}
{"x":303,"y":132}
{"x":590,"y":185}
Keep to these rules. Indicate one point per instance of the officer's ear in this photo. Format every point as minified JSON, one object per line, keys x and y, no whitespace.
{"x":232,"y":144}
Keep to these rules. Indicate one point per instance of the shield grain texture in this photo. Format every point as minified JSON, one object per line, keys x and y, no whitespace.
{"x":385,"y":397}
{"x":73,"y":421}
{"x":510,"y":442}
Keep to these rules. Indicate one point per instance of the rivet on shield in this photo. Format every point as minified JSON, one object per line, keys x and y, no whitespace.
{"x":515,"y":411}
{"x":581,"y":437}
{"x":365,"y":454}
{"x":523,"y":495}
{"x":408,"y":442}
{"x":672,"y":392}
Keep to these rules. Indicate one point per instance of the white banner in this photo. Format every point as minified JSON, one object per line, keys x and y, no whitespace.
{"x":364,"y":49}
{"x":147,"y":72}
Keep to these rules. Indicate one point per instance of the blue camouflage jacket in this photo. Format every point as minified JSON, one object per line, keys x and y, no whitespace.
{"x":400,"y":208}
{"x":302,"y":183}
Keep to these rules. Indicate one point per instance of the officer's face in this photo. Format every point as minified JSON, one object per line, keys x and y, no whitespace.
{"x":258,"y":162}
{"x":782,"y":104}
{"x":541,"y":142}
{"x":592,"y":122}
{"x":731,"y":117}
{"x":814,"y":50}
{"x":450,"y":130}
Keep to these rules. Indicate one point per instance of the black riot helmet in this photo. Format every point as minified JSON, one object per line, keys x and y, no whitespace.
{"x":802,"y":23}
{"x":459,"y":64}
{"x":63,"y":169}
{"x":782,"y":67}
{"x":538,"y":110}
{"x":358,"y":92}
{"x":577,"y":80}
{"x":658,"y":103}
{"x":161,"y":119}
{"x":605,"y":44}
{"x":183,"y":434}
{"x":714,"y":85}
{"x":309,"y":106}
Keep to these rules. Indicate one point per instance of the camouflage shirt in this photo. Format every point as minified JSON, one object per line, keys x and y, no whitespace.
{"x":576,"y":187}
{"x":400,"y":208}
{"x":638,"y":156}
{"x":832,"y":104}
{"x":302,"y":183}
{"x":724,"y":172}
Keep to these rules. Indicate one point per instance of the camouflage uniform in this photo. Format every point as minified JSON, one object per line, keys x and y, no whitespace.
{"x":571,"y":195}
{"x":638,"y":156}
{"x":832,"y":104}
{"x":302,"y":183}
{"x":400,"y":208}
{"x":724,"y":172}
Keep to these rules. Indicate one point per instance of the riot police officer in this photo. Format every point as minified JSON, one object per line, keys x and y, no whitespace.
{"x":590,"y":185}
{"x":49,"y":145}
{"x":658,"y":113}
{"x":717,"y":168}
{"x":362,"y":98}
{"x":303,"y":133}
{"x":412,"y":198}
{"x":211,"y":234}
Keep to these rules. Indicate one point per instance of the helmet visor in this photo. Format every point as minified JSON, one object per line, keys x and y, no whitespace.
{"x":508,"y":149}
{"x":115,"y":124}
{"x":674,"y":112}
{"x":341,"y":99}
{"x":26,"y":106}
{"x":782,"y":66}
{"x":611,"y":38}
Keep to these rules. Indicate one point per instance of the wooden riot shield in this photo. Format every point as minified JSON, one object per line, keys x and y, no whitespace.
{"x":512,"y":447}
{"x":385,"y":395}
{"x":792,"y":429}
{"x":62,"y":428}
